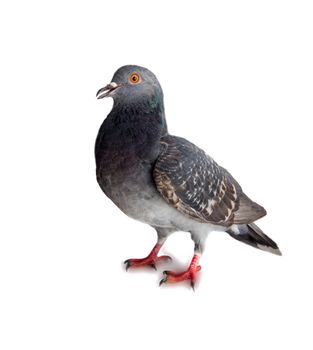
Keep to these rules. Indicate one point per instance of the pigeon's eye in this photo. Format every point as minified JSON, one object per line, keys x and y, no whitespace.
{"x":134,"y":78}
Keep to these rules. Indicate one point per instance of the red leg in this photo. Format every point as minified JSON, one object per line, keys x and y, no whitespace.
{"x":189,"y":274}
{"x":151,"y":260}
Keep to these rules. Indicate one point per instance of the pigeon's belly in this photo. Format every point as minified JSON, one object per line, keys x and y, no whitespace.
{"x":138,"y":198}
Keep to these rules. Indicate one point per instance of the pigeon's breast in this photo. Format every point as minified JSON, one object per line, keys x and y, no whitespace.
{"x":122,"y":175}
{"x":129,"y":184}
{"x":125,"y":155}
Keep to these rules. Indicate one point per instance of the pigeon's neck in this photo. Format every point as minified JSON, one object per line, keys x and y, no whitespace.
{"x":132,"y":131}
{"x":132,"y":109}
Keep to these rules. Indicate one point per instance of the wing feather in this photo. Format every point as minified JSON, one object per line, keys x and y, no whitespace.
{"x":198,"y":187}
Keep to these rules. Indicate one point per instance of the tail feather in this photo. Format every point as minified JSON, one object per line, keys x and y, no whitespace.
{"x":251,"y":234}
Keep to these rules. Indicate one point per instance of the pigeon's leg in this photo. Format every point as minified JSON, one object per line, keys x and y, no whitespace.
{"x":194,"y":267}
{"x":152,"y":259}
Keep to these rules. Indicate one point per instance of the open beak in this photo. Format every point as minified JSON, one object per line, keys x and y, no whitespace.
{"x":107,"y":90}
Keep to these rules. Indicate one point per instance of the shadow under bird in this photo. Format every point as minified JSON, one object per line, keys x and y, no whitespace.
{"x":166,"y":181}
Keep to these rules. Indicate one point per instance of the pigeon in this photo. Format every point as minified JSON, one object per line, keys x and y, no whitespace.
{"x":166,"y":181}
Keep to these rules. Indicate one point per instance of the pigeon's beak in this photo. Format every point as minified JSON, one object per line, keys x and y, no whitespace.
{"x":107,"y":90}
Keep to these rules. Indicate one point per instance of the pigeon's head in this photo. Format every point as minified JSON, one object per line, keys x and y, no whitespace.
{"x":134,"y":85}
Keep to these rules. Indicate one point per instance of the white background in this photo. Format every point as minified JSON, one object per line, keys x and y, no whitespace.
{"x":237,"y":78}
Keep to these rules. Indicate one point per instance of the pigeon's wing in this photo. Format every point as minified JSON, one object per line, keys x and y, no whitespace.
{"x":198,"y":187}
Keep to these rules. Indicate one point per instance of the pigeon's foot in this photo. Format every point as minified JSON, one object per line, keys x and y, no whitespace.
{"x":189,"y":274}
{"x":151,"y":260}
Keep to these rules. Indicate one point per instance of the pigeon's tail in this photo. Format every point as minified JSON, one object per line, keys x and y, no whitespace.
{"x":251,"y":234}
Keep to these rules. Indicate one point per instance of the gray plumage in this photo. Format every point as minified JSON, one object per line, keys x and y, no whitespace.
{"x":197,"y":186}
{"x":164,"y":180}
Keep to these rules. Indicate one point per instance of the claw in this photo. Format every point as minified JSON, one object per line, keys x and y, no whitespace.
{"x":153,"y":266}
{"x":192,"y":283}
{"x":128,"y":265}
{"x":163,"y":280}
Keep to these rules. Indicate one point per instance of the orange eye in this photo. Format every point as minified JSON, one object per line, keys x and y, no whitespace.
{"x":134,"y":78}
